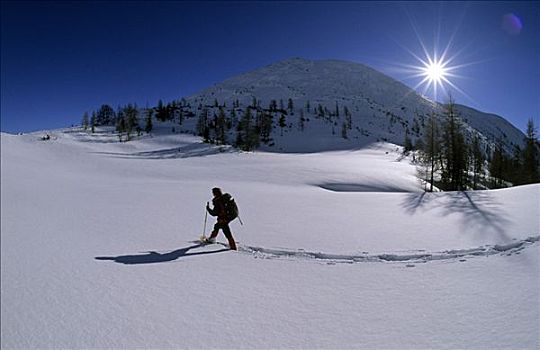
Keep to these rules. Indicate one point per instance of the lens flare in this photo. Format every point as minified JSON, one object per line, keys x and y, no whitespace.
{"x":437,"y":65}
{"x":435,"y":72}
{"x":512,"y":24}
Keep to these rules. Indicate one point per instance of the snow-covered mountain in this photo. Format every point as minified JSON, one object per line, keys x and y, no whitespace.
{"x":381,"y":108}
{"x":492,"y":127}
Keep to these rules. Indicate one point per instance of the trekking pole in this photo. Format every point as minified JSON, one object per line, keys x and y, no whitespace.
{"x":241,"y":223}
{"x":205,"y":219}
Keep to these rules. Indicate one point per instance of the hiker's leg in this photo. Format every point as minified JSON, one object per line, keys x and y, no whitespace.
{"x":215,"y":232}
{"x":228,"y":234}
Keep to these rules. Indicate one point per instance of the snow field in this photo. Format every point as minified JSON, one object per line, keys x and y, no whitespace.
{"x":96,"y":251}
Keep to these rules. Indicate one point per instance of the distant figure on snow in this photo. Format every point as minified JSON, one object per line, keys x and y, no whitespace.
{"x":226,"y":211}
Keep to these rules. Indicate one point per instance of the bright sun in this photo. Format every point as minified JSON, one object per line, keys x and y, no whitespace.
{"x":435,"y":72}
{"x":435,"y":68}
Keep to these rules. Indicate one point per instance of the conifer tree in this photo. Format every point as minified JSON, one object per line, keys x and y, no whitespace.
{"x":431,"y":150}
{"x":273,"y":106}
{"x":243,"y":130}
{"x":348,"y":117}
{"x":206,"y":134}
{"x":290,"y":106}
{"x":221,"y":127}
{"x":344,"y":130}
{"x":93,"y":122}
{"x":120,"y":125}
{"x":477,"y":160}
{"x":239,"y":143}
{"x":282,"y":122}
{"x":161,"y":112}
{"x":213,"y":130}
{"x":517,"y":173}
{"x":407,"y":144}
{"x":320,"y":111}
{"x":85,"y":121}
{"x":497,"y":165}
{"x":105,"y":115}
{"x":531,"y":155}
{"x":454,"y":174}
{"x":234,"y":119}
{"x":301,"y":121}
{"x":266,"y":126}
{"x":148,"y":127}
{"x":131,"y":114}
{"x":202,"y":125}
{"x":247,"y":132}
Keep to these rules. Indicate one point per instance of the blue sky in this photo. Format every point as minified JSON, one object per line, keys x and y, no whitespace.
{"x":60,"y":59}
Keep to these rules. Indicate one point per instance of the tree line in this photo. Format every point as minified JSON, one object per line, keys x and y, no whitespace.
{"x":251,"y":126}
{"x":247,"y":128}
{"x":452,"y":162}
{"x":129,"y":118}
{"x":449,"y":158}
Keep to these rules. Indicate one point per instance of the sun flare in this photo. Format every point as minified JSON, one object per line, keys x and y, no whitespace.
{"x":435,"y":67}
{"x":435,"y":72}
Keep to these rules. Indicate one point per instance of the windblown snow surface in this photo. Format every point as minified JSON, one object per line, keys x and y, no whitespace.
{"x":338,"y":250}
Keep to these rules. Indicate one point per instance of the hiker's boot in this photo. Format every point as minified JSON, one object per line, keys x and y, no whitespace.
{"x":232,"y":244}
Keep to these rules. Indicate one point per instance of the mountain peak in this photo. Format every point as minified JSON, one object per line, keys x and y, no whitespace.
{"x":380,"y":108}
{"x":324,"y":81}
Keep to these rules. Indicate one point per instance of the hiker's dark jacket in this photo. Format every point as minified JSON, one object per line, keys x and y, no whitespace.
{"x":219,"y":208}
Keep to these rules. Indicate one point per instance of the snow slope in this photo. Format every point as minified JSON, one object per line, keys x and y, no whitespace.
{"x":382,"y":108}
{"x":338,"y":250}
{"x":492,"y":127}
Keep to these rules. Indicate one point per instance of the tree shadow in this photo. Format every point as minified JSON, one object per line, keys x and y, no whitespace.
{"x":352,"y":187}
{"x":480,"y":211}
{"x":484,"y":212}
{"x":413,"y":201}
{"x":155,"y":257}
{"x":186,"y":151}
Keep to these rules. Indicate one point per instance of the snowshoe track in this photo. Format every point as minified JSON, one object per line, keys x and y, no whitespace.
{"x":419,"y":257}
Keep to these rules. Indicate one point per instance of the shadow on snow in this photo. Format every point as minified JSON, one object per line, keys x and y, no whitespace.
{"x":187,"y":151}
{"x":352,"y":187}
{"x":480,"y":211}
{"x":155,"y":257}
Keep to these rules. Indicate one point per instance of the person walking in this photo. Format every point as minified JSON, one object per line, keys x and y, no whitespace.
{"x":225,"y":212}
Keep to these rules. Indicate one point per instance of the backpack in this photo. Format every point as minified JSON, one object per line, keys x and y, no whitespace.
{"x":231,"y":209}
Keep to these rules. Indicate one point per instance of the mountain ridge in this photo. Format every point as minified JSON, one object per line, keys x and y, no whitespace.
{"x":382,"y":108}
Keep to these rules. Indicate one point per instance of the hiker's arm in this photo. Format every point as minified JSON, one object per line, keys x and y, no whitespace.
{"x":211,"y":211}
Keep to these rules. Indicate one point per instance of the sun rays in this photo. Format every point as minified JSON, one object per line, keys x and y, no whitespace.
{"x":435,"y":72}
